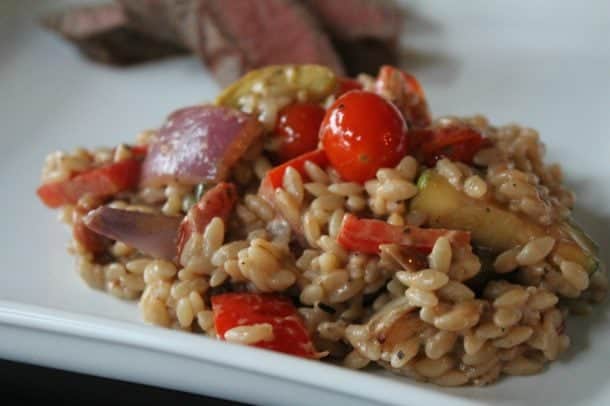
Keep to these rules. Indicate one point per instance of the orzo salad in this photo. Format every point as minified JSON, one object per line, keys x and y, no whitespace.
{"x":333,"y":218}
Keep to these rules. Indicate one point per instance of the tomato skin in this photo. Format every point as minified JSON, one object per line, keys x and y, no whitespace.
{"x":298,"y":126}
{"x":361,"y":133}
{"x":243,"y":309}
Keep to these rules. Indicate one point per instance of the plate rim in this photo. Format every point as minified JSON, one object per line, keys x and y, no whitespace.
{"x":316,"y":374}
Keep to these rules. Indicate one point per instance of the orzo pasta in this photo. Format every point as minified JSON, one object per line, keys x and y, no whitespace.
{"x":443,"y":250}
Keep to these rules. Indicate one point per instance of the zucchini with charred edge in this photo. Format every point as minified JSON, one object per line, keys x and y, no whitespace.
{"x":308,"y":82}
{"x":492,"y":227}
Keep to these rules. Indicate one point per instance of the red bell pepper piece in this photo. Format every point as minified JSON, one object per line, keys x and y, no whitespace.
{"x":99,"y":182}
{"x":275,"y":176}
{"x":92,"y":241}
{"x":406,"y":92}
{"x":216,"y":202}
{"x":365,"y":235}
{"x":139,"y":151}
{"x":243,"y":309}
{"x":458,"y":143}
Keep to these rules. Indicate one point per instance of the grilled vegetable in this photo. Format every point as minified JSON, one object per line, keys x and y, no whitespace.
{"x":153,"y":234}
{"x":312,"y":82}
{"x":100,"y":182}
{"x":458,"y":143}
{"x":216,"y":202}
{"x":366,"y":235}
{"x":492,"y":227}
{"x":406,"y":93}
{"x":199,"y":144}
{"x":245,"y":309}
{"x":580,"y":237}
{"x":92,"y":241}
{"x":275,"y":176}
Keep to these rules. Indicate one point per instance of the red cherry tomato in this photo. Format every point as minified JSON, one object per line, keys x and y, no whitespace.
{"x":298,"y":126}
{"x":361,"y":133}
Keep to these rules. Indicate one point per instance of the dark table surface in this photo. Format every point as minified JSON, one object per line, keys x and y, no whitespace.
{"x":24,"y":383}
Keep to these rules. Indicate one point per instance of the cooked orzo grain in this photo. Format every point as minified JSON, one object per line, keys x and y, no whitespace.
{"x":453,"y":263}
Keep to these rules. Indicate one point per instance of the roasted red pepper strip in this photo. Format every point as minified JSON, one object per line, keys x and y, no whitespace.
{"x":104,"y":181}
{"x":216,"y":202}
{"x":139,"y":151}
{"x":92,"y":241}
{"x":366,"y":235}
{"x":275,"y":176}
{"x":405,"y":91}
{"x":244,"y":309}
{"x":456,"y":142}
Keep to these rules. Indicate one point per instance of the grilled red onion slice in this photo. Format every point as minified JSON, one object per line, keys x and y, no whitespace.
{"x":199,"y":144}
{"x":153,"y":234}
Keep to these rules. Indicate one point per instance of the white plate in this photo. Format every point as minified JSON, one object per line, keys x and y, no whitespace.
{"x":545,"y":64}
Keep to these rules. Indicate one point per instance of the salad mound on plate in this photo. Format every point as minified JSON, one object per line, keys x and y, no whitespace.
{"x":333,"y":218}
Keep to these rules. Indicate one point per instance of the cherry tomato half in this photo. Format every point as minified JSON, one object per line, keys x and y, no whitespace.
{"x":361,"y":133}
{"x":298,"y":126}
